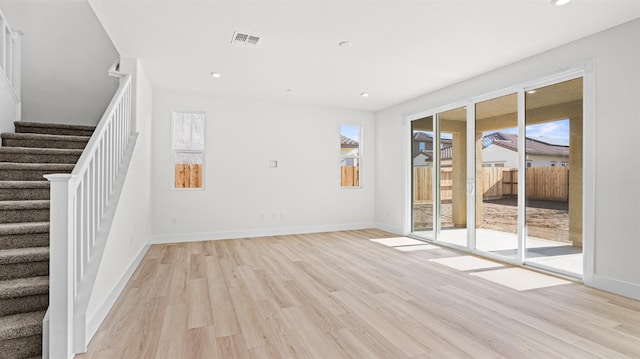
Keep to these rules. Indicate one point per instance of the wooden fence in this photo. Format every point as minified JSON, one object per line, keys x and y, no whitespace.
{"x":349,"y":176}
{"x":548,"y":183}
{"x":188,"y":175}
{"x":542,"y":183}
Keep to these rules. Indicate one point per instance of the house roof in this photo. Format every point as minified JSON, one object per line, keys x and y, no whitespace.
{"x":425,"y":137}
{"x":533,"y":146}
{"x":445,"y":154}
{"x":422,"y":137}
{"x":348,"y":142}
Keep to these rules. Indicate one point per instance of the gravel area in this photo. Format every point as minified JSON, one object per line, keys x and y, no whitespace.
{"x":545,"y":219}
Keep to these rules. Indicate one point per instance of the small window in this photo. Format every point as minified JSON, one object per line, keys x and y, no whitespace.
{"x":350,"y":156}
{"x":188,"y":149}
{"x":500,"y":164}
{"x":486,"y":165}
{"x":529,"y":164}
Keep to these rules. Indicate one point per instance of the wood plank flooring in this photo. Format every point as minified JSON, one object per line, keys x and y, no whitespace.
{"x":339,"y":295}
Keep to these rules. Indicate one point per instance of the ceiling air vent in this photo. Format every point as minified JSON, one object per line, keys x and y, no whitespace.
{"x":245,"y":39}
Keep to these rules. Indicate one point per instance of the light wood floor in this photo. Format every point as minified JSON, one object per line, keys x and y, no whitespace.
{"x":339,"y":295}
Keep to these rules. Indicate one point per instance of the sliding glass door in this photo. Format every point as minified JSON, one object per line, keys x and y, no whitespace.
{"x":553,"y":165}
{"x":496,"y":163}
{"x":423,"y":177}
{"x":452,"y":132}
{"x":439,"y":174}
{"x":517,"y":176}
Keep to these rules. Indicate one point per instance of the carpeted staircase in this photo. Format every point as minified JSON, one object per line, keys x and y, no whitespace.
{"x":34,"y":150}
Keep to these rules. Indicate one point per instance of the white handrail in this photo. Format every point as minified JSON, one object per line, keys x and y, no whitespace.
{"x":79,"y":204}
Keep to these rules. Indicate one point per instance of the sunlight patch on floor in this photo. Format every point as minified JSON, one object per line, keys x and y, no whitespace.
{"x":405,"y":244}
{"x":419,"y":247}
{"x":520,"y":279}
{"x":397,"y":241}
{"x":466,"y":263}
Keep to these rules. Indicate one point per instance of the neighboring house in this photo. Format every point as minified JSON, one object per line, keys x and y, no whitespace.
{"x":500,"y":149}
{"x":423,"y":147}
{"x":348,"y":147}
{"x":423,"y":141}
{"x":425,"y":158}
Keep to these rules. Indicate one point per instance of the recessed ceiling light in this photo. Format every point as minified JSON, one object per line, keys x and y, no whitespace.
{"x":364,"y":94}
{"x":559,"y":2}
{"x":345,"y":44}
{"x":531,"y":92}
{"x":215,"y":75}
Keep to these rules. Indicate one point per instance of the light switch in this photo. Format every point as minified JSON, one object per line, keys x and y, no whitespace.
{"x":273,"y":164}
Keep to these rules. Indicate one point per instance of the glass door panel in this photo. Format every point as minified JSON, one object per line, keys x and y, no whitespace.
{"x":423,"y":163}
{"x":452,"y":129}
{"x":553,"y":180}
{"x":496,"y":167}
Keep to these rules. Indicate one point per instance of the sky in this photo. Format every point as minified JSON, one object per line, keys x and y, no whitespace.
{"x":351,"y":131}
{"x":558,"y":131}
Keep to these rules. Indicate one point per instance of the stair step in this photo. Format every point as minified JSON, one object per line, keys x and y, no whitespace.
{"x":22,"y":347}
{"x":24,"y":262}
{"x":43,"y":141}
{"x":31,"y":171}
{"x":7,"y":229}
{"x":39,"y":155}
{"x":24,"y":255}
{"x":25,"y":304}
{"x":53,"y":128}
{"x":24,"y":211}
{"x":23,"y":235}
{"x":24,"y":190}
{"x":23,"y":287}
{"x":21,"y":325}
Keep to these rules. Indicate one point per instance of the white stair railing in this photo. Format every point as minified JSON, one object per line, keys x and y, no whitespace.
{"x":81,"y":203}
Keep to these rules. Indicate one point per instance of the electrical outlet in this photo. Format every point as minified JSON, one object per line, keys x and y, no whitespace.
{"x":173,"y":220}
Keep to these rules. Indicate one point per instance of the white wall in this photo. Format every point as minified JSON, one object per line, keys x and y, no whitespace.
{"x":65,"y":57}
{"x":243,"y":196}
{"x":616,"y":59}
{"x":499,"y":154}
{"x":546,"y":161}
{"x":9,"y":107}
{"x":131,"y":228}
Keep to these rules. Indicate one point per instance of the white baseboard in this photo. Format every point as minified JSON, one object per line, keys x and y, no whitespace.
{"x":96,"y":318}
{"x":389,"y":228}
{"x":631,"y":290}
{"x":252,"y":233}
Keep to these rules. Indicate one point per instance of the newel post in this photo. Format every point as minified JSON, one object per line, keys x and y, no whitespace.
{"x":61,"y":264}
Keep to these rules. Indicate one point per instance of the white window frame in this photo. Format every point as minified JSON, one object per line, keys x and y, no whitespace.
{"x":175,"y":150}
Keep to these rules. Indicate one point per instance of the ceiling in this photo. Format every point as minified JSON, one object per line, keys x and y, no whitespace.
{"x":400,"y":48}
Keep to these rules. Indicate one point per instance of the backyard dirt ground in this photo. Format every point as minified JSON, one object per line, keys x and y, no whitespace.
{"x":545,"y":219}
